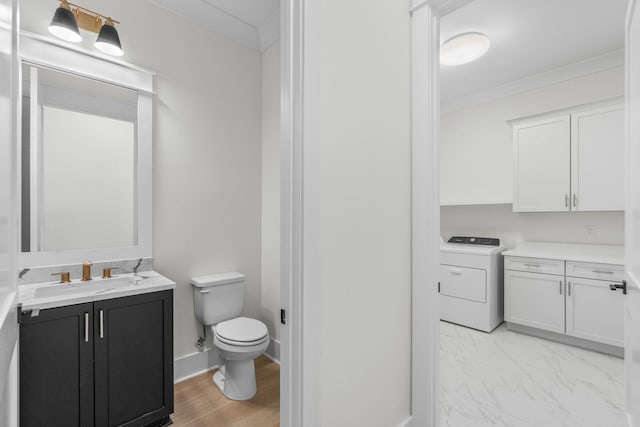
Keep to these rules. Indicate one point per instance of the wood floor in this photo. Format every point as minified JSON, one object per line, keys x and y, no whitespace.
{"x":199,"y":403}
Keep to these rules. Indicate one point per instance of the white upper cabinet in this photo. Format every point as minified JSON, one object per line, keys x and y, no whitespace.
{"x":541,"y":174}
{"x":570,"y":160}
{"x":597,"y":160}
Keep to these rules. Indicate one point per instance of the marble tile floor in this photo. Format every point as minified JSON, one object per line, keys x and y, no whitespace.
{"x":507,"y":379}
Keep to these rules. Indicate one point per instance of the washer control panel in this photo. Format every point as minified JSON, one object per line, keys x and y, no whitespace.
{"x":485,"y":241}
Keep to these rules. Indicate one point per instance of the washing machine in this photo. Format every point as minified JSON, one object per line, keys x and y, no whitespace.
{"x":471,"y":282}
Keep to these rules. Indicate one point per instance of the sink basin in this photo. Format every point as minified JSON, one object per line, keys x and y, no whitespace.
{"x":95,"y":286}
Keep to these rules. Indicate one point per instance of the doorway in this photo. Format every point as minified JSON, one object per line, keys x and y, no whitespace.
{"x":458,"y":218}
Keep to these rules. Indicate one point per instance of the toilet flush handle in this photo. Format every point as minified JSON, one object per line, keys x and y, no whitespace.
{"x":204,"y":291}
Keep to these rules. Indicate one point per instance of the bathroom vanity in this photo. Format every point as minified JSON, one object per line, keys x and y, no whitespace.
{"x":98,"y":353}
{"x":91,"y":352}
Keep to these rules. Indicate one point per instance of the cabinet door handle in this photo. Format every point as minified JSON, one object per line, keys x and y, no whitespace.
{"x":455,"y":271}
{"x":569,"y":289}
{"x":560,"y":286}
{"x":532,"y":265}
{"x":614,"y":287}
{"x":86,"y":327}
{"x":566,"y":200}
{"x":575,"y":201}
{"x":603,"y":272}
{"x":101,"y":323}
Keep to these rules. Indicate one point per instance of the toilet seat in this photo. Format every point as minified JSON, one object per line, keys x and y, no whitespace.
{"x":241,"y":331}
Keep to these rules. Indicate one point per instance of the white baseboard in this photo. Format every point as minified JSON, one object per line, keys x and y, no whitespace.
{"x":189,"y":366}
{"x":407,"y":422}
{"x":273,"y":351}
{"x":193,"y":364}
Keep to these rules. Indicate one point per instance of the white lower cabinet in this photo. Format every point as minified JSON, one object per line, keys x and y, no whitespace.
{"x":590,"y":308}
{"x":535,"y":300}
{"x":594,"y":311}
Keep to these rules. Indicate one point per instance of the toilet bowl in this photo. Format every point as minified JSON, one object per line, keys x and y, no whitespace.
{"x":218,"y":302}
{"x":239,"y":341}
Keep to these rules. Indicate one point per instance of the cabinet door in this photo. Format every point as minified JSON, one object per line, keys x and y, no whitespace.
{"x":594,"y":311}
{"x":56,"y":367}
{"x":597,"y":160}
{"x":542,"y":165}
{"x":134,"y":359}
{"x":535,"y":300}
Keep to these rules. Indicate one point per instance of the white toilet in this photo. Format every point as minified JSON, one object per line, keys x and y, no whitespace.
{"x":218,"y":301}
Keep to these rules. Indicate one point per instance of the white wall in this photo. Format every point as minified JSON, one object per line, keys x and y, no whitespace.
{"x":271,"y":189}
{"x":476,"y":142}
{"x":356,"y":226}
{"x":500,"y":221}
{"x":206,"y":142}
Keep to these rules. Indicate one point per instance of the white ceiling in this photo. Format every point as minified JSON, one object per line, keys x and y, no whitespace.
{"x":252,"y":23}
{"x":541,"y":38}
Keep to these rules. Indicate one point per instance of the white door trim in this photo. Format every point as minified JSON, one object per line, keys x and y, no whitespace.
{"x":425,"y":118}
{"x":295,"y":400}
{"x":425,"y":222}
{"x":632,"y":293}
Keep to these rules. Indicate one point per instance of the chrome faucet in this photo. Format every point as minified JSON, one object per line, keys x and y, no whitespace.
{"x":86,"y":271}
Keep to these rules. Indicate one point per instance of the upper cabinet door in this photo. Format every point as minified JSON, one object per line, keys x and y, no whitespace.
{"x":541,"y":165}
{"x":597,"y":159}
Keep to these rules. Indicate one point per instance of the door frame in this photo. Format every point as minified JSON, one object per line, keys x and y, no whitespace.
{"x":425,"y":200}
{"x":298,"y":393}
{"x":296,"y":401}
{"x":633,"y":281}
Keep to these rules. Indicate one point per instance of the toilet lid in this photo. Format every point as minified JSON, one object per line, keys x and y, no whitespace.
{"x":242,"y":329}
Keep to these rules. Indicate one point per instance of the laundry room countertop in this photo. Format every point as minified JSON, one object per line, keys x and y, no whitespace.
{"x":601,"y":254}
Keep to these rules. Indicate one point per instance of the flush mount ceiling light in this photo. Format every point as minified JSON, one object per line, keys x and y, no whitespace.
{"x":68,"y":17}
{"x":464,"y":48}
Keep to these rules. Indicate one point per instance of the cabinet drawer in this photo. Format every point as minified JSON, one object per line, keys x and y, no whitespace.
{"x":587,"y":270}
{"x":463,"y":282}
{"x":534,"y":265}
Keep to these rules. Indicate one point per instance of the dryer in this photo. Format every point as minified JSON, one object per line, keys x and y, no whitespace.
{"x":471,"y":282}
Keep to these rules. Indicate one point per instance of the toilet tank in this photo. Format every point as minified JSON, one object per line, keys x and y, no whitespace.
{"x":218,"y":297}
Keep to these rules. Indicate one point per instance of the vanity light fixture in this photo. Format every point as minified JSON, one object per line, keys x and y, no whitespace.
{"x":464,"y":48}
{"x":108,"y":40}
{"x":69,"y":17}
{"x":64,"y":25}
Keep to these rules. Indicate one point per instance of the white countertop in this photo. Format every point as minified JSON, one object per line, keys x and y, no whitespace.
{"x":601,"y":254}
{"x":95,"y":290}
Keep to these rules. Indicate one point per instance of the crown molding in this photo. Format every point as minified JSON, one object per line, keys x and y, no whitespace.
{"x":269,"y":30}
{"x":579,"y":69}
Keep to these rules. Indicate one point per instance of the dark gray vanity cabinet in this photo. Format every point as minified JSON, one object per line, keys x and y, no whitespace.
{"x":56,"y":367}
{"x":105,"y":364}
{"x":134,"y":360}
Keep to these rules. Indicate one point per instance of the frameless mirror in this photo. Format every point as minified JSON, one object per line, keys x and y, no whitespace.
{"x":79,"y":162}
